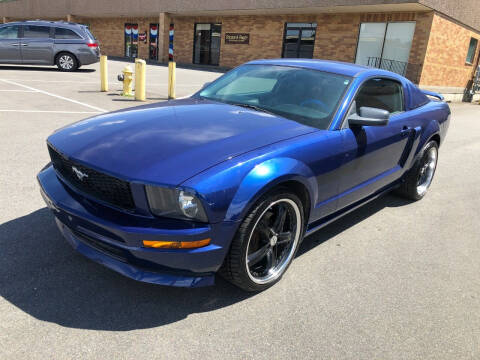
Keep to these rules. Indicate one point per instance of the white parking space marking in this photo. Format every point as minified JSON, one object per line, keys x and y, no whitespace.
{"x":54,"y":95}
{"x":25,"y":91}
{"x":51,"y":111}
{"x":55,"y":81}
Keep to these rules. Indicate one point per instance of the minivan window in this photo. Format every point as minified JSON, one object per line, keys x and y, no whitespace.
{"x":33,"y":31}
{"x":9,"y":32}
{"x":61,"y":33}
{"x":90,"y":35}
{"x":382,"y":94}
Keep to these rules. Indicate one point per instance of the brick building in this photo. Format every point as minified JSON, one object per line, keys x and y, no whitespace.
{"x":432,"y":42}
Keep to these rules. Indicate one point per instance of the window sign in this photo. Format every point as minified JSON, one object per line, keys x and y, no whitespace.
{"x":237,"y":38}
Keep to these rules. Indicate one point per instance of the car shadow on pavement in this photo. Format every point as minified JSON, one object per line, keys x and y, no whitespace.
{"x":43,"y":276}
{"x":40,"y":68}
{"x":349,"y":220}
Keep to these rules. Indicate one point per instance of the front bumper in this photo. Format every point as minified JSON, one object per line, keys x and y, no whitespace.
{"x":114,"y":238}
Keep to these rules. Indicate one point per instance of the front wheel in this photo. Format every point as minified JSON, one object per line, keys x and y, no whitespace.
{"x":420,"y":176}
{"x":67,"y":62}
{"x":265,"y":243}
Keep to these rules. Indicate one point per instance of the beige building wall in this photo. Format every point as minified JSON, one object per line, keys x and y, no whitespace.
{"x":445,"y":59}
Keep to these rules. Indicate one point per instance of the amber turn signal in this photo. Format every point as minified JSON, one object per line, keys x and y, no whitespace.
{"x":176,"y":244}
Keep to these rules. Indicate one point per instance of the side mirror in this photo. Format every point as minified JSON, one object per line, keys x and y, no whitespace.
{"x":369,"y":117}
{"x":206,"y":84}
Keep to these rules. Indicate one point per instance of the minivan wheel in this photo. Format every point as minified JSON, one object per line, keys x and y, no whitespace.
{"x":265,"y":243}
{"x":67,"y":62}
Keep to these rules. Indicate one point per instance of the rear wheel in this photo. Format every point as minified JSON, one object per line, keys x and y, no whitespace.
{"x":420,"y":176}
{"x":67,"y":62}
{"x":265,"y":243}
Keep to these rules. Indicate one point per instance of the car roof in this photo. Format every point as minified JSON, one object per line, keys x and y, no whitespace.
{"x":44,"y":22}
{"x":336,"y":67}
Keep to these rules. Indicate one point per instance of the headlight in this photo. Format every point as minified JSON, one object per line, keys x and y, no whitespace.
{"x":175,"y":203}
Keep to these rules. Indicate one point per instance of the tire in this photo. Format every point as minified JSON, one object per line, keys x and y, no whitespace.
{"x":67,"y":62}
{"x":420,"y":176}
{"x":264,"y":239}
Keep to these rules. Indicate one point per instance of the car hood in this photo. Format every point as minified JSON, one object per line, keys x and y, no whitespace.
{"x":167,"y":143}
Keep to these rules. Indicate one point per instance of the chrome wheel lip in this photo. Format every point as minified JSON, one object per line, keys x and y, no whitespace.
{"x":279,"y":269}
{"x":427,"y":171}
{"x":66,"y":62}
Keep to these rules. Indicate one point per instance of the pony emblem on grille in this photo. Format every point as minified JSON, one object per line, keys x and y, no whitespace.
{"x":80,"y":175}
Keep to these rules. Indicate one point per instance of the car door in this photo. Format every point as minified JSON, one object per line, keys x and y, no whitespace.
{"x":10,"y":45}
{"x":374,"y":155}
{"x":37,"y":45}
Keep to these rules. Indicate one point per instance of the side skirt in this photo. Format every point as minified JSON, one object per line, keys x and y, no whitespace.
{"x":321,"y":223}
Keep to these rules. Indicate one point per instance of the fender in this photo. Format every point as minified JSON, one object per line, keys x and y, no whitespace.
{"x":433,"y":128}
{"x":264,"y":177}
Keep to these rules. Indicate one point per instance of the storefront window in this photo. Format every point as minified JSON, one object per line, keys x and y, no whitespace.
{"x":206,"y":48}
{"x":472,"y":48}
{"x":170,"y":42}
{"x":131,"y":40}
{"x":153,"y":46}
{"x":385,"y":42}
{"x":299,"y":40}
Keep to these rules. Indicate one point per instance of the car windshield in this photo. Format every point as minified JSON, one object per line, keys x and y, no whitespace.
{"x":304,"y":95}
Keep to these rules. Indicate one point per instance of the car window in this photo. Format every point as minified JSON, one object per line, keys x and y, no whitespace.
{"x":382,"y":94}
{"x":34,"y":31}
{"x":9,"y":32}
{"x":62,"y":33}
{"x":90,"y":35}
{"x":307,"y":96}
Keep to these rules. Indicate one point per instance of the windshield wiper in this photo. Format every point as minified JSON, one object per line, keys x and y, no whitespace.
{"x":253,"y":107}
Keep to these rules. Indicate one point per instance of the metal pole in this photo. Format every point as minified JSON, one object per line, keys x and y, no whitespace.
{"x":140,"y":77}
{"x":171,"y":79}
{"x":103,"y":73}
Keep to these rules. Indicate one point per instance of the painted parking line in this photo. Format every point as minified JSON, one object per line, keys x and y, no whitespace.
{"x":54,"y":95}
{"x":113,"y":80}
{"x":51,"y":111}
{"x":56,"y":81}
{"x":23,"y":91}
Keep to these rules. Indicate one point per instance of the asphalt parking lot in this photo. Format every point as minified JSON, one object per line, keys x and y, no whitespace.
{"x":393,"y":280}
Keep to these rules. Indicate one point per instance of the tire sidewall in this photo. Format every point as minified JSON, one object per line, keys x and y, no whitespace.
{"x":420,"y":163}
{"x":244,"y":232}
{"x":75,"y":62}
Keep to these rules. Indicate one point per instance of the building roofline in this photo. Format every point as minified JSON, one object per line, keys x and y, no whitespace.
{"x":462,"y":11}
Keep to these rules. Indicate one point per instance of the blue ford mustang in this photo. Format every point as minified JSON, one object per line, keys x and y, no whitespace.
{"x":233,"y":178}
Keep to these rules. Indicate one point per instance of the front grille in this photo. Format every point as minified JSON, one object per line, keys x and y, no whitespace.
{"x":96,"y":184}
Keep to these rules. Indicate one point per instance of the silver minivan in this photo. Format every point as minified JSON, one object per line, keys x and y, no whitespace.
{"x":67,"y":45}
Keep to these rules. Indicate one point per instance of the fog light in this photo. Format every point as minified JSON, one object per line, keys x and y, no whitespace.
{"x":176,"y":244}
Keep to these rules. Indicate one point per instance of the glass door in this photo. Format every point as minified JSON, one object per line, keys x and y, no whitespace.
{"x":299,"y":40}
{"x":206,"y":47}
{"x":131,"y":40}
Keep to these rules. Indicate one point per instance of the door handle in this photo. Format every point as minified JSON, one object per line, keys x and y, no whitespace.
{"x":14,"y":44}
{"x":24,"y":44}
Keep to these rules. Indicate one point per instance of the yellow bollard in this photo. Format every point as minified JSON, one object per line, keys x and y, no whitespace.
{"x":171,"y":79}
{"x":140,"y":70}
{"x":103,"y":73}
{"x":127,"y":81}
